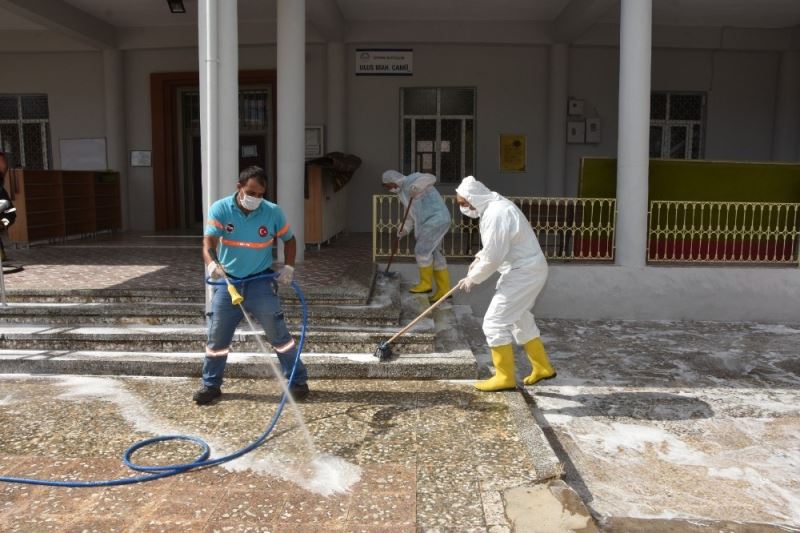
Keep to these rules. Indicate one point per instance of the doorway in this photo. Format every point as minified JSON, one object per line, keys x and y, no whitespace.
{"x":255,"y":134}
{"x":177,"y":171}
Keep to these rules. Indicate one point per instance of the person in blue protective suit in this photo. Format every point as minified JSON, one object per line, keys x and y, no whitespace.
{"x":429,"y":218}
{"x":243,"y":228}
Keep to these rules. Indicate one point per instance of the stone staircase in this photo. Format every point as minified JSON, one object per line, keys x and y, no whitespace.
{"x":162,"y":332}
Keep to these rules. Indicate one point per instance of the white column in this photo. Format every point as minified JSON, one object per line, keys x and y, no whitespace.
{"x":291,"y":119}
{"x":116,"y":139}
{"x":228,"y":97}
{"x":634,"y":126}
{"x":786,"y":133}
{"x":208,"y":48}
{"x":336,"y":106}
{"x":557,"y":119}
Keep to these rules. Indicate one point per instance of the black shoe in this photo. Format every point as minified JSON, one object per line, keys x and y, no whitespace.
{"x":299,"y":392}
{"x":206,"y":395}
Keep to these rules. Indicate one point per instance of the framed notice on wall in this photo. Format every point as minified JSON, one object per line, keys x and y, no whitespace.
{"x":315,"y":142}
{"x":513,"y":152}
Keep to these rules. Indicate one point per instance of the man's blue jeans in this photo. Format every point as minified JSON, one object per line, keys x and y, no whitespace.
{"x":262,"y":303}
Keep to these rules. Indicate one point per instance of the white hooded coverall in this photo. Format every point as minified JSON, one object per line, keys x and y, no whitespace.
{"x":511,"y":248}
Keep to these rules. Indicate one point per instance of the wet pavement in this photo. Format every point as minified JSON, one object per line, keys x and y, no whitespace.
{"x":664,"y":422}
{"x":132,"y":261}
{"x":393,"y":456}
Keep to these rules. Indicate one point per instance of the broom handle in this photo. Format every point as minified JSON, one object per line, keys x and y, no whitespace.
{"x":424,"y":313}
{"x":396,"y":240}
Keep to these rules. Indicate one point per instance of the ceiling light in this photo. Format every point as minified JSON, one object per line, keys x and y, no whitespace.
{"x":176,"y":6}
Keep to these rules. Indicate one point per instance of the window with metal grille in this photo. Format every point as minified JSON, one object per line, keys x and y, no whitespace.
{"x":25,"y":130}
{"x":677,"y":125}
{"x":438,"y":131}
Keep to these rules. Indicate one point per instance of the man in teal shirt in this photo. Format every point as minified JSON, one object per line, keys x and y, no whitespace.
{"x":243,"y":228}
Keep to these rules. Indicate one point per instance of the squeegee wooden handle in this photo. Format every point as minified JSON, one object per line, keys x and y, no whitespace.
{"x":424,"y":314}
{"x":396,"y":240}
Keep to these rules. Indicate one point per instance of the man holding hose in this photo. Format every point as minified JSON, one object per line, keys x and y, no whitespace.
{"x":243,"y":228}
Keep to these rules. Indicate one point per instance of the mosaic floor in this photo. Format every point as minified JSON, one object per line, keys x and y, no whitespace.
{"x":147,"y":261}
{"x":395,"y":456}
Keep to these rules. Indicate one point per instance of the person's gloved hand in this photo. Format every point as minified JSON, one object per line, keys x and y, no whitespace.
{"x":417,"y":191}
{"x":286,"y":275}
{"x":402,"y":232}
{"x":466,"y":284}
{"x":214,"y":271}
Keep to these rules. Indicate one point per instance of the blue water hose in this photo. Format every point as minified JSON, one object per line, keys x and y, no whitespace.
{"x":202,"y":460}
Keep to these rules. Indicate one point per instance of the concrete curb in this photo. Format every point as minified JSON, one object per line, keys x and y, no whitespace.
{"x":546,"y":464}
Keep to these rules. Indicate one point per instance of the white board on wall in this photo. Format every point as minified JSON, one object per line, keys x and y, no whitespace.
{"x":83,"y":154}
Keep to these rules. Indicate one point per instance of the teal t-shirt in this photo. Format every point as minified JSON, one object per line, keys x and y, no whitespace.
{"x":246,"y":241}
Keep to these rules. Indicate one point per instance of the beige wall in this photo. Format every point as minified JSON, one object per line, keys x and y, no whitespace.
{"x":511,"y":84}
{"x":73,"y":83}
{"x":741,"y":89}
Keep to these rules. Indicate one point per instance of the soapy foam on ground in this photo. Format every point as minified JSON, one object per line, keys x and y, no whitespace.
{"x":324,"y":475}
{"x":767,"y":477}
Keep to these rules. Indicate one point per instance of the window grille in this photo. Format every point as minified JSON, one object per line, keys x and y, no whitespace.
{"x":677,"y":125}
{"x":25,"y":131}
{"x":438,"y":131}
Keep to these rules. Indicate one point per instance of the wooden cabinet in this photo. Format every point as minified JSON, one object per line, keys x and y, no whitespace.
{"x":325,"y":210}
{"x":54,"y":204}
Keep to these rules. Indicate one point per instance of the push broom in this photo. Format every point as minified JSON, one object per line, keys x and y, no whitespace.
{"x":384,"y":350}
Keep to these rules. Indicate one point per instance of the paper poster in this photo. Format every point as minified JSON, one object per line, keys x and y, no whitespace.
{"x":445,"y":146}
{"x":424,"y":146}
{"x":427,"y":162}
{"x":513,"y":156}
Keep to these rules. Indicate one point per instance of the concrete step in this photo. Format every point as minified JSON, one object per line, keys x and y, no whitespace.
{"x":192,"y":338}
{"x":73,"y":314}
{"x":457,"y":364}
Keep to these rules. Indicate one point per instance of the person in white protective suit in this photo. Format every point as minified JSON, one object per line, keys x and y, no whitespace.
{"x":509,"y":247}
{"x":429,"y":218}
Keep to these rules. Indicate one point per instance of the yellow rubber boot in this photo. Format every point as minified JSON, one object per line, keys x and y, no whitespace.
{"x":542,"y":369}
{"x":425,"y":281}
{"x":442,"y":278}
{"x":503,"y":359}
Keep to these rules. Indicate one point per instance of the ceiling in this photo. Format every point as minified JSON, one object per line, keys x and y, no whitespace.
{"x":10,"y":21}
{"x":722,"y":13}
{"x":141,"y":13}
{"x":537,"y":10}
{"x":712,"y":13}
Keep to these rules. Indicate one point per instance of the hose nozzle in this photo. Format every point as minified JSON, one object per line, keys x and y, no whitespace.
{"x":236,"y":298}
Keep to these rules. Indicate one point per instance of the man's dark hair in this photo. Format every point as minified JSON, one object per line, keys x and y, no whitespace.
{"x":253,"y":173}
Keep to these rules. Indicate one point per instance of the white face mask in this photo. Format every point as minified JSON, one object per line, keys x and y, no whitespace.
{"x":471,"y":213}
{"x":251,"y":203}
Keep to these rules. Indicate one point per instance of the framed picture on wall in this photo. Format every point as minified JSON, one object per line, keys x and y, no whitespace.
{"x":141,"y":158}
{"x":315,"y":141}
{"x":513,"y":152}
